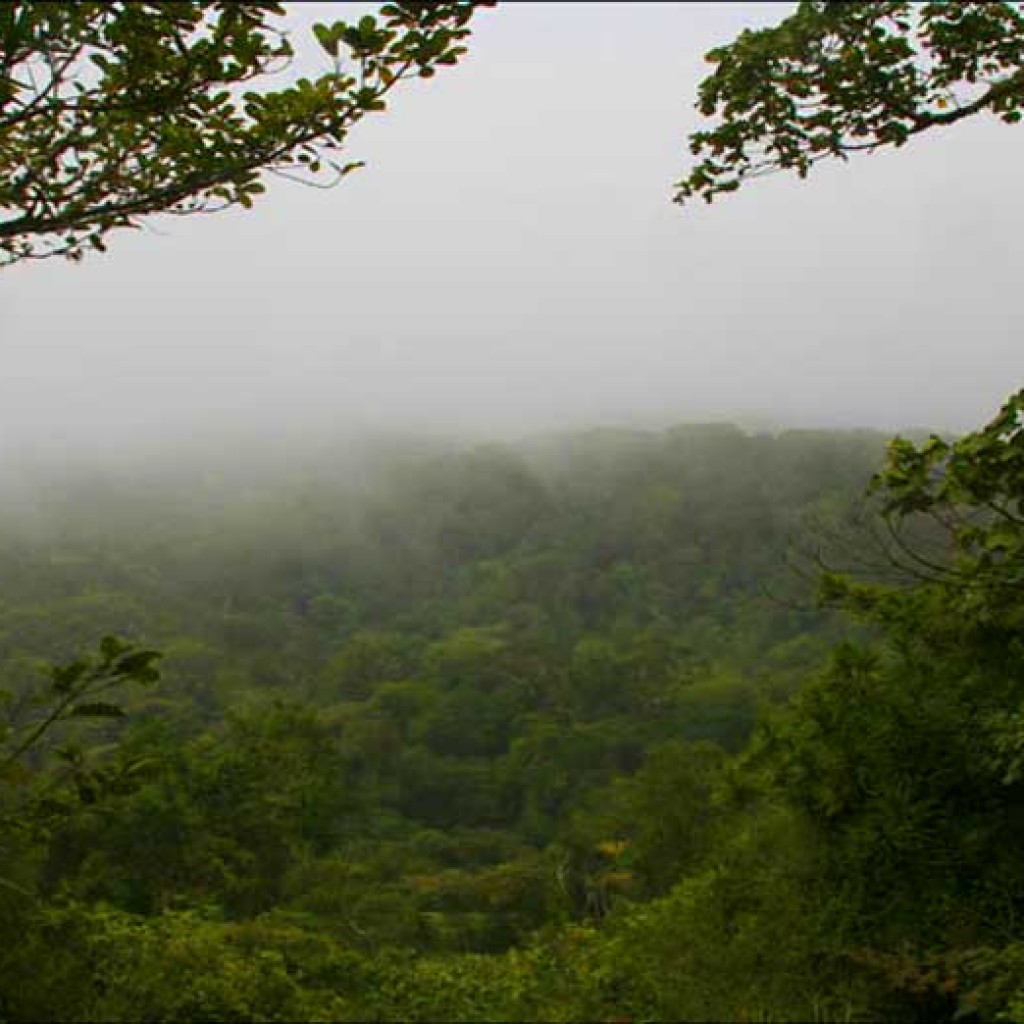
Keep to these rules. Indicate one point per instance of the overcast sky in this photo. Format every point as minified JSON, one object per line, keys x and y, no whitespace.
{"x":510,"y":262}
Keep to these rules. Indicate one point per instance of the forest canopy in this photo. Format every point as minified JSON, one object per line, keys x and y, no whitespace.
{"x":701,"y":723}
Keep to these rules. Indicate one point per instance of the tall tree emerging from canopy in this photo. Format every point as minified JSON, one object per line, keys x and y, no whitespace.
{"x":110,"y":111}
{"x":837,"y":78}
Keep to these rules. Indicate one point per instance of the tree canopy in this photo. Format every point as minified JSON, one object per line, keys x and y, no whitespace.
{"x":514,"y":734}
{"x":838,"y":78}
{"x":113,"y":111}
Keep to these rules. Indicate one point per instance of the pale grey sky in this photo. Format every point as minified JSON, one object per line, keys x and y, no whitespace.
{"x":510,"y":262}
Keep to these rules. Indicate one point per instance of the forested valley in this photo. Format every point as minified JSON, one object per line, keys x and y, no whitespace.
{"x":563,"y":730}
{"x":694,"y":723}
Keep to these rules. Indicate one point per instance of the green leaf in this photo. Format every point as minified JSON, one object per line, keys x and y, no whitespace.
{"x":138,"y":659}
{"x":111,"y":647}
{"x":328,"y":38}
{"x":65,"y":676}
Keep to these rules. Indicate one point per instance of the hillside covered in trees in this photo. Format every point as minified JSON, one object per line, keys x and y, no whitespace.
{"x":548,"y":731}
{"x":681,"y":725}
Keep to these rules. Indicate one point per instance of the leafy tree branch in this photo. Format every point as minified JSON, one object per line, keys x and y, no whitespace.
{"x":110,"y":112}
{"x":838,"y":78}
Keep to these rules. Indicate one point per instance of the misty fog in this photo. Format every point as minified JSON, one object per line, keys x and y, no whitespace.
{"x":509,"y":262}
{"x":485,"y":590}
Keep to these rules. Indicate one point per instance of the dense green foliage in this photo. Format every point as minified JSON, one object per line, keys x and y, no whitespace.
{"x":437,"y":708}
{"x":537,"y":733}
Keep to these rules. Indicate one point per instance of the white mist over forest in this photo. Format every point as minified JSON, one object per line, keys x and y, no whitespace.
{"x":509,"y":262}
{"x":486,"y":591}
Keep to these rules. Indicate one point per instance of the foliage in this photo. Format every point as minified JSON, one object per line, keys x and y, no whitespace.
{"x":905,"y":757}
{"x":110,"y":112}
{"x":525,"y":779}
{"x":90,"y":964}
{"x":515,"y":734}
{"x":88,"y":689}
{"x":73,"y":692}
{"x":838,"y":78}
{"x":973,"y":490}
{"x":481,"y":751}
